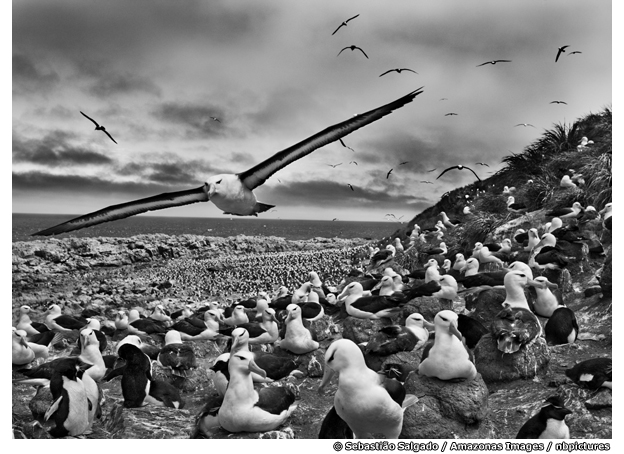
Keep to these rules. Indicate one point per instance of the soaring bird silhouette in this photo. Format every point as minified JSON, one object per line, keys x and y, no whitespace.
{"x":427,"y":182}
{"x":353,"y":162}
{"x":559,"y":52}
{"x":493,"y":62}
{"x":432,"y":170}
{"x":575,"y":52}
{"x":557,"y":102}
{"x":353,"y":47}
{"x":344,"y":24}
{"x":98,"y":127}
{"x":334,"y":165}
{"x":481,"y":164}
{"x":403,"y":163}
{"x":344,"y":145}
{"x":525,"y":125}
{"x":233,"y":193}
{"x":460,"y":167}
{"x":450,"y":113}
{"x":398,"y":70}
{"x":388,"y":174}
{"x":350,"y":187}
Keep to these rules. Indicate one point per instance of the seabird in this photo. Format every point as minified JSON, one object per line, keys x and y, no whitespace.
{"x":344,"y":24}
{"x":398,"y":70}
{"x":432,"y":170}
{"x":98,"y":127}
{"x":334,"y":165}
{"x":593,"y":373}
{"x":525,"y":125}
{"x":460,"y":167}
{"x":426,"y":182}
{"x":493,"y":62}
{"x":353,"y":47}
{"x":548,"y":423}
{"x":481,"y":164}
{"x":560,"y":51}
{"x":515,"y":207}
{"x":353,"y":162}
{"x":344,"y":145}
{"x":450,"y":113}
{"x":215,"y":119}
{"x":233,"y":192}
{"x":350,"y":187}
{"x":566,"y":212}
{"x":388,"y":174}
{"x":575,"y":52}
{"x":557,"y":102}
{"x":403,"y":163}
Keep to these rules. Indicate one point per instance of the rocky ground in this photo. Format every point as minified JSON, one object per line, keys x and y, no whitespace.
{"x":106,"y":274}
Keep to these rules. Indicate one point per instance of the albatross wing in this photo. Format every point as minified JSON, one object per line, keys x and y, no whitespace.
{"x":258,"y":174}
{"x":124,"y":210}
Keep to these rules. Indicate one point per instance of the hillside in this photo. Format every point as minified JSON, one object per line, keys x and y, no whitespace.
{"x":545,"y":162}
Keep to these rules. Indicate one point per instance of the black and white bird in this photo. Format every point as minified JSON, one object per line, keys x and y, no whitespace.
{"x":560,"y":51}
{"x":353,"y":47}
{"x":233,"y":192}
{"x":344,"y":24}
{"x":493,"y":62}
{"x":459,"y":167}
{"x":98,"y":127}
{"x":548,"y":423}
{"x":398,"y":70}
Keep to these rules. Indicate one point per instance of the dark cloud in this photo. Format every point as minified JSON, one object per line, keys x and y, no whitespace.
{"x":55,"y":150}
{"x":170,"y":170}
{"x":196,"y":118}
{"x":109,"y":82}
{"x":26,"y":75}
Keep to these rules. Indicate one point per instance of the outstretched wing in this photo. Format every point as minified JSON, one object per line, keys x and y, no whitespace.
{"x":258,"y":174}
{"x":342,"y":50}
{"x":351,"y":18}
{"x":389,"y":71}
{"x":94,"y":122}
{"x":486,"y":63}
{"x":111,"y":137}
{"x":475,"y":174}
{"x":124,"y":210}
{"x":337,"y":30}
{"x":361,"y":50}
{"x":446,"y":170}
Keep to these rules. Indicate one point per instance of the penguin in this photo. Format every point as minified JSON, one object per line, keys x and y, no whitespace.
{"x":163,"y":394}
{"x":71,"y":407}
{"x":368,"y":402}
{"x":448,"y":357}
{"x":592,"y":373}
{"x":207,"y":421}
{"x":298,"y":339}
{"x":137,"y":376}
{"x":177,"y":356}
{"x":548,"y":423}
{"x":561,"y":327}
{"x":245,"y":409}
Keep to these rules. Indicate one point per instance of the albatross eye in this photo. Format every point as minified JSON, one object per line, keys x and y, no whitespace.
{"x":219,"y":182}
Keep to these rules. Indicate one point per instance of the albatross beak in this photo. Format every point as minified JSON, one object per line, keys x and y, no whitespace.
{"x":253,"y":367}
{"x":453,"y":330}
{"x":327,"y":376}
{"x":537,"y":284}
{"x":428,"y":325}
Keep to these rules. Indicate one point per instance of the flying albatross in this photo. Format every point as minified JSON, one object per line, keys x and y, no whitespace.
{"x":232,"y":193}
{"x":460,"y":167}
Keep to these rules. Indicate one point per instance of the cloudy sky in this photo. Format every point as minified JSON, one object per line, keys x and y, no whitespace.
{"x":154,"y":73}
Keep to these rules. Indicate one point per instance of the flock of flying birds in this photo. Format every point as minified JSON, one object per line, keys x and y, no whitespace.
{"x":233,"y":192}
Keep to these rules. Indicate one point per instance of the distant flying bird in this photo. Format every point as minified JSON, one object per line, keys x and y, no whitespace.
{"x":431,"y":170}
{"x":398,"y":70}
{"x":575,"y":52}
{"x":558,"y":102}
{"x":350,"y":187}
{"x":427,"y":182}
{"x":450,"y":113}
{"x":98,"y":127}
{"x":560,"y":51}
{"x":493,"y":62}
{"x":389,"y":172}
{"x":481,"y":164}
{"x":353,"y":162}
{"x":335,"y":219}
{"x":525,"y":125}
{"x":460,"y":167}
{"x":344,"y":24}
{"x":353,"y":48}
{"x":443,"y":99}
{"x":215,"y":119}
{"x":403,"y":163}
{"x":233,"y":193}
{"x":343,"y":144}
{"x":334,"y":165}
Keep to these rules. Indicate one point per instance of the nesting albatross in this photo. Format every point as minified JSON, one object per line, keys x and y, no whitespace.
{"x":232,"y":193}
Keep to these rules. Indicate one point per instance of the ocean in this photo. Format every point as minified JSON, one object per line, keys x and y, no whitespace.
{"x":26,"y":224}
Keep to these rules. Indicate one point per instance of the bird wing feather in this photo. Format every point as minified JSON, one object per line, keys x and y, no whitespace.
{"x":258,"y":174}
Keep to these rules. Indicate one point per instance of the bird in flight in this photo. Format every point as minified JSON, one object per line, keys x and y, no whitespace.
{"x":398,"y":70}
{"x":351,"y":187}
{"x":353,"y":162}
{"x":443,"y":99}
{"x":460,"y":167}
{"x":215,"y":119}
{"x":525,"y":125}
{"x":493,"y":62}
{"x":334,"y":165}
{"x":426,"y":182}
{"x":335,"y":219}
{"x":344,"y":145}
{"x":403,"y":163}
{"x":353,"y":48}
{"x":233,"y":193}
{"x":559,"y":52}
{"x":98,"y":127}
{"x":575,"y":52}
{"x":482,"y":164}
{"x":558,"y":102}
{"x":344,"y":24}
{"x":431,"y":170}
{"x":388,"y":174}
{"x":450,"y":113}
